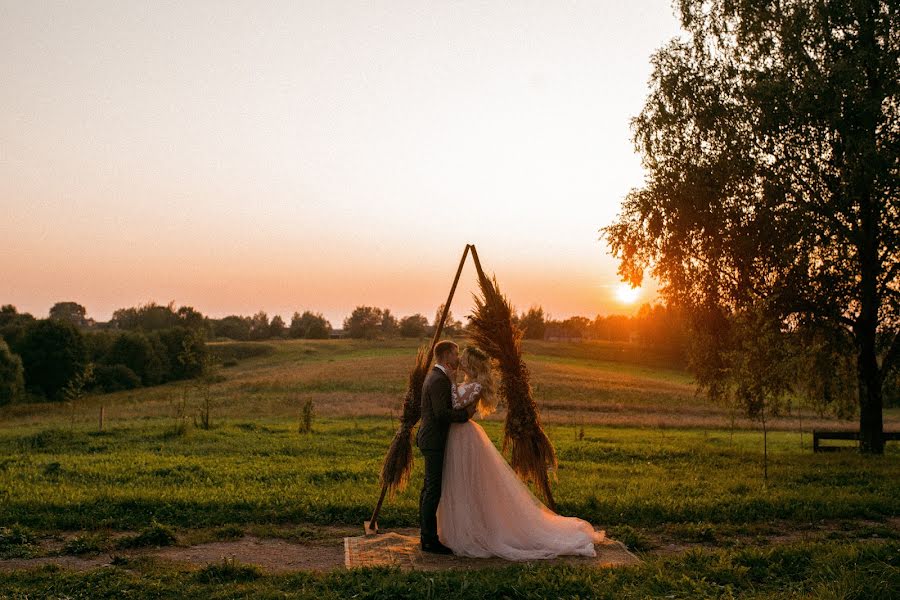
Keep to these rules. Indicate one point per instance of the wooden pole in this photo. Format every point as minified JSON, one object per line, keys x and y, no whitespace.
{"x":101,"y":418}
{"x":478,"y":268}
{"x":371,"y":526}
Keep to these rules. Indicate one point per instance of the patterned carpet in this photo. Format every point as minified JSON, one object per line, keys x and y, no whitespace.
{"x":402,"y":549}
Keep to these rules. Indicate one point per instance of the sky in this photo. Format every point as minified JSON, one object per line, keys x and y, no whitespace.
{"x":285,"y":156}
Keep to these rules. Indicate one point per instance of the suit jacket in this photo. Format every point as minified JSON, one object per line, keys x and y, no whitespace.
{"x":437,"y":412}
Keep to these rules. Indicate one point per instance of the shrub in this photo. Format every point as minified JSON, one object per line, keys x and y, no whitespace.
{"x":154,"y":535}
{"x":98,"y":344}
{"x":16,"y":542}
{"x":113,"y":378}
{"x":306,"y":417}
{"x":186,"y":351}
{"x":85,"y":544}
{"x":229,"y":570}
{"x":12,"y":375}
{"x":240,"y":350}
{"x":53,"y":352}
{"x":140,"y":354}
{"x":234,"y":327}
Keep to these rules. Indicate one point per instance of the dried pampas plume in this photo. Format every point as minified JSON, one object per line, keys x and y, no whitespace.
{"x":398,"y":463}
{"x":493,"y":330}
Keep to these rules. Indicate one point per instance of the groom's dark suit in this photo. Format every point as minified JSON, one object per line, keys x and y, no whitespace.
{"x":437,"y":414}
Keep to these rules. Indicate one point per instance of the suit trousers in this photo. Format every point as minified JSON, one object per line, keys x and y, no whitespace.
{"x":431,"y":495}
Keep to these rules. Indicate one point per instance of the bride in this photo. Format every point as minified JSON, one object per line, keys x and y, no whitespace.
{"x":485,"y":510}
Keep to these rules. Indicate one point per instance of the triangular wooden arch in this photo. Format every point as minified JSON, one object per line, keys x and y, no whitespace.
{"x":532,"y":452}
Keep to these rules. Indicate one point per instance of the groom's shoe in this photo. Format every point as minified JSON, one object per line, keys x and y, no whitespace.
{"x":436,"y":548}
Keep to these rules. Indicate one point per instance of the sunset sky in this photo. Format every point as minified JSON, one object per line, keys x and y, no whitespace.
{"x":284,"y":156}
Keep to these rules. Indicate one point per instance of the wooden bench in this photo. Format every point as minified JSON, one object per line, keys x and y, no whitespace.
{"x":818,"y":435}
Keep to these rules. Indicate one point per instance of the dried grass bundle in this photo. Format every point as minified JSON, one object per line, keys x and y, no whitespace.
{"x":493,"y":330}
{"x":398,"y":462}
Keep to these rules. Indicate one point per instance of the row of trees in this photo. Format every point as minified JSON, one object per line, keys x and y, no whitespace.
{"x":154,"y":317}
{"x":654,"y":325}
{"x":369,"y":322}
{"x":53,"y":359}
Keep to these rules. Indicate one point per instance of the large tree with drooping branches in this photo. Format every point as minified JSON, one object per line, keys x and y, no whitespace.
{"x":771,"y":137}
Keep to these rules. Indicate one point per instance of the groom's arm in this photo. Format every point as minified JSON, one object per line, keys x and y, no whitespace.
{"x":443,"y":404}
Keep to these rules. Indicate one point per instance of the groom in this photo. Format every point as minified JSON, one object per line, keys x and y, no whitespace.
{"x":437,"y":414}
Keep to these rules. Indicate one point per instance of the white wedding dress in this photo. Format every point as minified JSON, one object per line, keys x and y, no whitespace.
{"x":485,"y":510}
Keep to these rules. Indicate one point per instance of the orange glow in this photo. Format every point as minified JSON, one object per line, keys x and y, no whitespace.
{"x":292,"y":156}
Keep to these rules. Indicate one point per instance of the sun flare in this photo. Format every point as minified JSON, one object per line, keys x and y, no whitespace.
{"x":627,"y":294}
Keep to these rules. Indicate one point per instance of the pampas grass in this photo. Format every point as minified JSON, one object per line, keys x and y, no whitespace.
{"x":493,"y":330}
{"x":398,"y":462}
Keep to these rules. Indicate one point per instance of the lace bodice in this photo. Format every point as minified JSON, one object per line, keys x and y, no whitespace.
{"x":465,"y":394}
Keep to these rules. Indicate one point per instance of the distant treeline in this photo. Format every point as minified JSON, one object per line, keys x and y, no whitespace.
{"x":69,"y":353}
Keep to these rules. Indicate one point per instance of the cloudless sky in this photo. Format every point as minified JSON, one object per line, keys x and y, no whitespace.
{"x":282,"y":156}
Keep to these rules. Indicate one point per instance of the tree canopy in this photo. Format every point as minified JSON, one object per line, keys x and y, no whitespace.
{"x":771,"y":138}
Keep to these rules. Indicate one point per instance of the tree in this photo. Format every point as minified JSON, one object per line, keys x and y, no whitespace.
{"x":53,"y":353}
{"x":259,"y":326}
{"x":12,"y":375}
{"x":13,"y":325}
{"x":277,"y":328}
{"x":233,"y":327}
{"x":452,"y":326}
{"x":413,"y":326}
{"x":191,"y":318}
{"x":755,"y":371}
{"x":309,"y":325}
{"x":185,"y":351}
{"x":389,"y":324}
{"x":533,"y":324}
{"x":72,"y":312}
{"x":771,"y":139}
{"x":147,"y":317}
{"x":364,"y":322}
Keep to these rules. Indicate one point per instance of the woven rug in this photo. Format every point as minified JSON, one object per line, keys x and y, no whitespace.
{"x":402,"y":550}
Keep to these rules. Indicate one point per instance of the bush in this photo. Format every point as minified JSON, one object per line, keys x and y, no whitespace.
{"x":17,"y":542}
{"x":13,"y":325}
{"x":228,"y":571}
{"x":240,"y":350}
{"x":233,"y":327}
{"x":98,"y":344}
{"x":53,"y":353}
{"x":140,"y":354}
{"x":186,"y":351}
{"x":12,"y":375}
{"x":155,"y":535}
{"x":113,"y":378}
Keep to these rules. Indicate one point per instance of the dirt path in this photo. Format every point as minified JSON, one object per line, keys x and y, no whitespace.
{"x":327,"y":550}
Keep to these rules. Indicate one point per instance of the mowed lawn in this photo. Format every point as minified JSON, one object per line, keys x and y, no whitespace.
{"x":640,"y":455}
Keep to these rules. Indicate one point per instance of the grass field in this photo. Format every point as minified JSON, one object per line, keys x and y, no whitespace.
{"x":640,"y":455}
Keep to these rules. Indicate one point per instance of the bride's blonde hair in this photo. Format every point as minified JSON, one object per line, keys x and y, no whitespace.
{"x":479,"y":363}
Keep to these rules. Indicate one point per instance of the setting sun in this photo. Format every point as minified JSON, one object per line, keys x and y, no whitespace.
{"x":627,"y":294}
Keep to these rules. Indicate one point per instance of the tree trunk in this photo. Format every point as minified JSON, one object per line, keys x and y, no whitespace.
{"x":871,"y":440}
{"x":862,"y":139}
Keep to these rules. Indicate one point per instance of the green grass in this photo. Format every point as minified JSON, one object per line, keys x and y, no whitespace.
{"x":823,"y":571}
{"x":265,"y":472}
{"x":640,"y":456}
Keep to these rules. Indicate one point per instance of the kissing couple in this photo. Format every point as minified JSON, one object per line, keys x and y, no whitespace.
{"x":472,"y":503}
